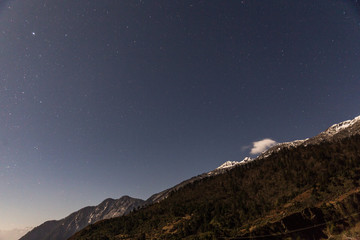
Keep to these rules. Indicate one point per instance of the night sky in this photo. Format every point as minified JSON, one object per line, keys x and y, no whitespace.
{"x":107,"y":98}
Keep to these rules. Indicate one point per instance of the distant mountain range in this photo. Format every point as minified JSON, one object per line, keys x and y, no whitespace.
{"x":181,"y":206}
{"x":64,"y":228}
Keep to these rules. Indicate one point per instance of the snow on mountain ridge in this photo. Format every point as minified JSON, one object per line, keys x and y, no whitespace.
{"x":280,"y":146}
{"x":335,"y":128}
{"x":327,"y":134}
{"x":228,"y":164}
{"x":231,"y":164}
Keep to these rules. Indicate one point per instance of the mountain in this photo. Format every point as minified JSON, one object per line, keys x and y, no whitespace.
{"x":64,"y":228}
{"x":306,"y":189}
{"x":109,"y":208}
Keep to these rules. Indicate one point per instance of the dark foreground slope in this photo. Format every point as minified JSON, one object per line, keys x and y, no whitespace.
{"x":311,"y":192}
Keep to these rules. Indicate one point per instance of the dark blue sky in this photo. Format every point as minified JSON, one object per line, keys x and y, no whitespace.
{"x":108,"y":98}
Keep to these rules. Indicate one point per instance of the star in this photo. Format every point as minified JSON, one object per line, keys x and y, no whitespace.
{"x":33,"y":33}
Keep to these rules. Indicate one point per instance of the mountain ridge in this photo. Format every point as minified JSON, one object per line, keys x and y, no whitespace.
{"x":334,"y":130}
{"x":299,"y":180}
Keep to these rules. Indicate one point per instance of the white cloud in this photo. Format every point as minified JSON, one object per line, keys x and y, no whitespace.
{"x":262,"y":145}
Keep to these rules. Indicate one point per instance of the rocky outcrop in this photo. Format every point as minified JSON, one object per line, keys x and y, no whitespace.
{"x":330,"y":219}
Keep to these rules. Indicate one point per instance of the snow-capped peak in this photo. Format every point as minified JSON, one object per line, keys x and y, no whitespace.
{"x":341,"y":126}
{"x":326,"y":135}
{"x":280,"y":146}
{"x":230,"y":164}
{"x":246,"y":159}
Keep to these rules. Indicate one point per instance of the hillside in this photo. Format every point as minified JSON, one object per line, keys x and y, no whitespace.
{"x":308,"y":190}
